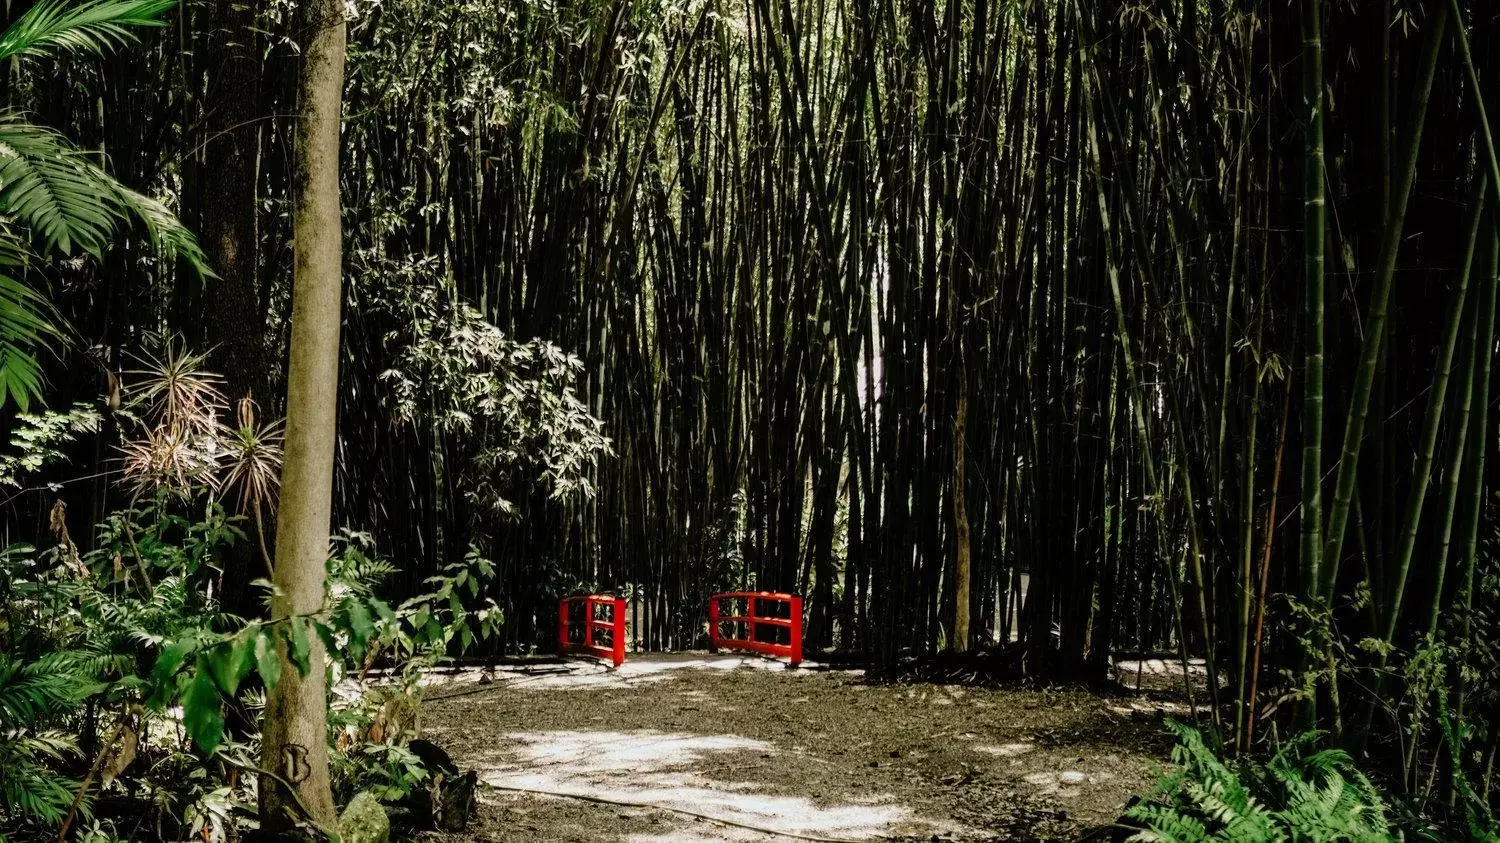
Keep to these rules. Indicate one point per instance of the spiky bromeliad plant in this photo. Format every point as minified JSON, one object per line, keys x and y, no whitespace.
{"x":55,"y":202}
{"x":1299,"y":795}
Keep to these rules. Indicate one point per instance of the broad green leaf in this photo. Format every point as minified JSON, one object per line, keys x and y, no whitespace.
{"x":167,"y":664}
{"x":267,"y":660}
{"x":231,"y":660}
{"x":201,"y":713}
{"x":297,"y":644}
{"x":383,"y":610}
{"x":326,"y":634}
{"x":361,"y":627}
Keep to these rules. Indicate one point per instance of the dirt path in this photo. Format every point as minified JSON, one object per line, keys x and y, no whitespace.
{"x":805,"y":752}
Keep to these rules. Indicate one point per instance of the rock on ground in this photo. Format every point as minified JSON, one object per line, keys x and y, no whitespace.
{"x":364,"y":821}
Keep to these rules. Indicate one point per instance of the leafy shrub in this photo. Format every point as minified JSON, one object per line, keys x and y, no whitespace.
{"x":507,"y":409}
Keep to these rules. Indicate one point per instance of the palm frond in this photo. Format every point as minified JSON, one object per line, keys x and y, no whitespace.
{"x":52,"y":188}
{"x":53,"y":194}
{"x":27,"y":321}
{"x":29,"y":786}
{"x":50,"y":686}
{"x":68,"y":203}
{"x":90,"y":27}
{"x":170,"y":238}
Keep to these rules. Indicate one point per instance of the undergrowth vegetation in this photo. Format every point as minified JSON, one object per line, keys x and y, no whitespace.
{"x":126,"y":688}
{"x":1305,"y":791}
{"x":130,"y":696}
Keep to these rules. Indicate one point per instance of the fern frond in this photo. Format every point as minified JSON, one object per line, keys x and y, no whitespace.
{"x":1166,"y":825}
{"x":31,"y":691}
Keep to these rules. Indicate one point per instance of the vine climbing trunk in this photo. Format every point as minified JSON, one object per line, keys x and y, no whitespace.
{"x":296,"y":731}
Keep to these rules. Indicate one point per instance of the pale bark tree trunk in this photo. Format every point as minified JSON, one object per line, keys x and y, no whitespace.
{"x":296,"y":739}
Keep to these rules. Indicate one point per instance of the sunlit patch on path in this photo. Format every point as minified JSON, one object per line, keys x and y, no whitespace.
{"x":663,"y":770}
{"x":586,"y":674}
{"x":672,"y":747}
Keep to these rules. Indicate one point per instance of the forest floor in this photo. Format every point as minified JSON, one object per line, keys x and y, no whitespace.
{"x":799,"y":754}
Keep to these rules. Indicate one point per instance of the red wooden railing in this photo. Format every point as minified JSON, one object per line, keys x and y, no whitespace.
{"x":595,"y":614}
{"x":758,"y":629}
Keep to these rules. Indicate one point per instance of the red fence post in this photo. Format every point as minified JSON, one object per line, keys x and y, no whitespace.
{"x":713,"y":624}
{"x":752,"y":620}
{"x":618,"y":633}
{"x":589,"y":646}
{"x":796,"y":630}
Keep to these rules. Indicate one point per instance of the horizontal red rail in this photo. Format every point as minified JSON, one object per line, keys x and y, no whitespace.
{"x":763,"y":611}
{"x":588,"y":624}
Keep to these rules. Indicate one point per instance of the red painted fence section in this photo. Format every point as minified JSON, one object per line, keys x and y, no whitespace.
{"x":584,"y":620}
{"x":755,"y":620}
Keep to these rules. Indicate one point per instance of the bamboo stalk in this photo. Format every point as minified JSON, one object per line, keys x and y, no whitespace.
{"x":1427,"y":443}
{"x":1390,"y":247}
{"x":1265,"y":573}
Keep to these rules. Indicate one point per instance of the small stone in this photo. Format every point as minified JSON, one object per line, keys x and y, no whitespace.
{"x":364,"y":821}
{"x":1072,"y":777}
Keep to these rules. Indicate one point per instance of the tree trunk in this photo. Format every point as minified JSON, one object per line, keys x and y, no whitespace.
{"x":296,"y":739}
{"x":234,"y":318}
{"x":233,"y":315}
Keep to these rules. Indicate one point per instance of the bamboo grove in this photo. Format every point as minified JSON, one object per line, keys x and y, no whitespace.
{"x":1135,"y":325}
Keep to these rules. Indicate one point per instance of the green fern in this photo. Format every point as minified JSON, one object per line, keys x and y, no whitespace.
{"x":29,"y":691}
{"x":1297,"y":795}
{"x":29,"y":786}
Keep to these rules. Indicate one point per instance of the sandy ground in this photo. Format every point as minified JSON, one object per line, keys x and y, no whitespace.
{"x":798,"y":754}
